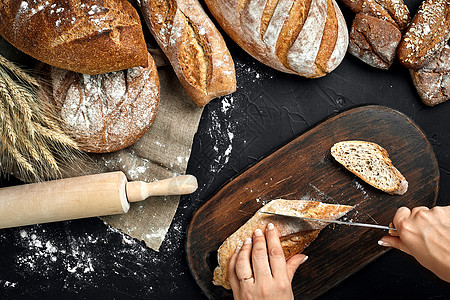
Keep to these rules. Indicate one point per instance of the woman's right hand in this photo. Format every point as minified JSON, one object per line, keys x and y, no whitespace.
{"x":425,"y":234}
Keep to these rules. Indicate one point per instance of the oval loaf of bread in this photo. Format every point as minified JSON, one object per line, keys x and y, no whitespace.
{"x":371,"y":163}
{"x":294,"y":236}
{"x":427,"y":35}
{"x":304,"y":37}
{"x":193,"y":45}
{"x":89,"y":37}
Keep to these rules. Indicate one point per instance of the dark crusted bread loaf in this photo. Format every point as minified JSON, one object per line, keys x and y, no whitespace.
{"x":194,"y":46}
{"x":110,"y":111}
{"x":427,"y":35}
{"x":306,"y":37}
{"x":374,"y":40}
{"x":377,"y":29}
{"x":89,"y":37}
{"x":432,"y":81}
{"x":393,"y":11}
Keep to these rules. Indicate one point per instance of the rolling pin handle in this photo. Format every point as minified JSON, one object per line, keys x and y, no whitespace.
{"x":180,"y":185}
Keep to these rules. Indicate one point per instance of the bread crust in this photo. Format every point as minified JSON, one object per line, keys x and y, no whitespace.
{"x":427,"y":35}
{"x":374,"y":41}
{"x":294,"y":236}
{"x":194,"y":47}
{"x":99,"y":37}
{"x":432,"y":81}
{"x":304,"y":37}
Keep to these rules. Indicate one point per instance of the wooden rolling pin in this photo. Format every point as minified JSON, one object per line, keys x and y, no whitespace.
{"x":82,"y":197}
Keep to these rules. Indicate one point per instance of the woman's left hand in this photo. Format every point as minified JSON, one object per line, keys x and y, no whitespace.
{"x":258,"y":270}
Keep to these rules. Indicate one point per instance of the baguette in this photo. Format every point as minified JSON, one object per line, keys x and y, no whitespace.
{"x":427,"y":35}
{"x":304,"y":37}
{"x":294,"y":236}
{"x":371,"y":163}
{"x":90,"y":38}
{"x":193,"y":45}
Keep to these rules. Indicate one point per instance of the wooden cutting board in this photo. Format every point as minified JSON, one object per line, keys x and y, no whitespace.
{"x":304,"y":168}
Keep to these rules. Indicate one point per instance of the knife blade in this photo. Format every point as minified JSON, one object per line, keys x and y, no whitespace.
{"x":334,"y":221}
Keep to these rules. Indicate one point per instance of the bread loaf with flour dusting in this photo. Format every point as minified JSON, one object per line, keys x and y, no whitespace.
{"x":89,"y":37}
{"x":105,"y":112}
{"x":193,"y":45}
{"x":304,"y":37}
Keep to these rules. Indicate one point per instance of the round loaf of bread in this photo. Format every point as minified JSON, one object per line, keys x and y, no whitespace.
{"x":304,"y":37}
{"x":107,"y":112}
{"x":89,"y":37}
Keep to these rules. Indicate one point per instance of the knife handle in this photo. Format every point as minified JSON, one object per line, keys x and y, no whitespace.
{"x":392,"y":232}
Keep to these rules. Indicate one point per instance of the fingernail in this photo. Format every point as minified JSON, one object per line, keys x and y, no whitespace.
{"x":247,"y":241}
{"x":304,"y":259}
{"x":237,"y":249}
{"x":384,"y":244}
{"x":270,"y":226}
{"x":258,"y":232}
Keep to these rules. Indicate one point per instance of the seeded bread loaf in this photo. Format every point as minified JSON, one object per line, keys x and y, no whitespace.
{"x":371,"y":163}
{"x":89,"y":37}
{"x":306,"y":37}
{"x":427,"y":35}
{"x":432,"y":81}
{"x":193,"y":45}
{"x":295,"y":236}
{"x":106,"y":112}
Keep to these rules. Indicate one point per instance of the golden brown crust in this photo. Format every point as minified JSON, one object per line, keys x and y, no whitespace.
{"x":193,"y":46}
{"x":427,"y":35}
{"x":294,"y":236}
{"x":99,"y":37}
{"x":293,"y":36}
{"x":110,"y":111}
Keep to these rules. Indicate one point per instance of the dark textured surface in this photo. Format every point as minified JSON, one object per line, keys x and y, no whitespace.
{"x":305,"y":169}
{"x":86,"y":259}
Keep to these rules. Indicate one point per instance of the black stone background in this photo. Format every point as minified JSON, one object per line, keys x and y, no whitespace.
{"x":86,"y":259}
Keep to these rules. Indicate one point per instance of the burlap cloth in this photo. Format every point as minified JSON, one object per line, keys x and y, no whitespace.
{"x":162,"y":152}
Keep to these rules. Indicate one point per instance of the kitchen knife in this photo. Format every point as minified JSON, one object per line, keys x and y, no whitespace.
{"x":334,"y":221}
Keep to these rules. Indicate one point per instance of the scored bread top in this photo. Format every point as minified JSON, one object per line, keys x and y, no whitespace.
{"x":294,"y":235}
{"x":90,"y":38}
{"x":194,"y":47}
{"x":371,"y":163}
{"x":304,"y":37}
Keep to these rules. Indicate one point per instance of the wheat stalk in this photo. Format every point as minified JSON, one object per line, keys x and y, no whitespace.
{"x":32,"y":142}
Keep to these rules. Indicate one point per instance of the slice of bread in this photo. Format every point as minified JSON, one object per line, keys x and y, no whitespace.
{"x":371,"y":163}
{"x":295,"y":235}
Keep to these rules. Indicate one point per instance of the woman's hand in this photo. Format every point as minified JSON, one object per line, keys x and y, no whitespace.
{"x":259,"y":270}
{"x":425,"y":234}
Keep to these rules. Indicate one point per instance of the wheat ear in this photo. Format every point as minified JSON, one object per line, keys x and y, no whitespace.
{"x":32,"y":142}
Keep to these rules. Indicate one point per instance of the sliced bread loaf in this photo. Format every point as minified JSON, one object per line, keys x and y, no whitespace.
{"x":371,"y":163}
